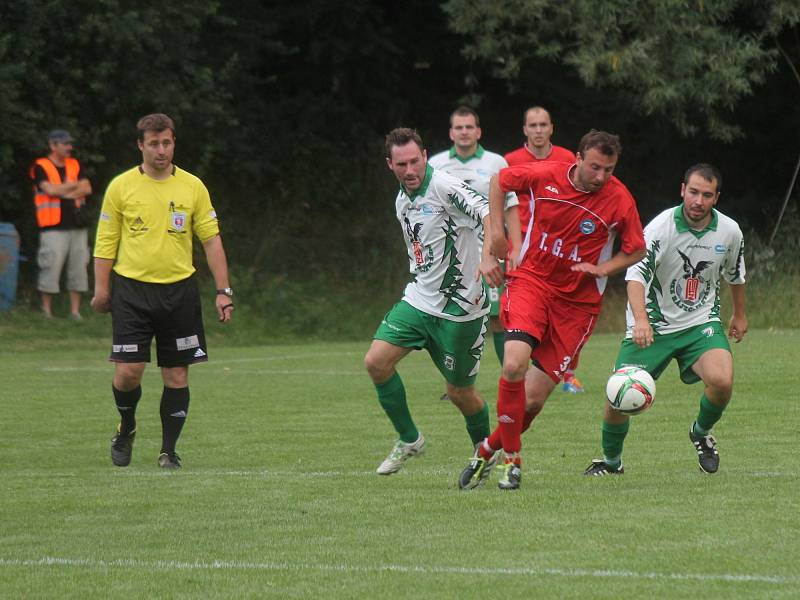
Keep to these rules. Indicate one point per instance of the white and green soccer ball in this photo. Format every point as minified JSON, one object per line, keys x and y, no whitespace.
{"x":631,"y":390}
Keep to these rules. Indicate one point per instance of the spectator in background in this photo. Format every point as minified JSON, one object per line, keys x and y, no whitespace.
{"x":60,"y":191}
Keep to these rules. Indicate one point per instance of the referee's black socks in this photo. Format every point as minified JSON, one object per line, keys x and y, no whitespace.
{"x":126,"y":405}
{"x":174,"y":408}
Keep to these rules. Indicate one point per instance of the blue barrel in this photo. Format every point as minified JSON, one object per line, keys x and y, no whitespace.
{"x":9,"y":265}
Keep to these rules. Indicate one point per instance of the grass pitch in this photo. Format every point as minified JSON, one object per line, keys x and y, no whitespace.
{"x":278,"y":497}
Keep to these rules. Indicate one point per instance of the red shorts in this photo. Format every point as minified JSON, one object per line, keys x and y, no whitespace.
{"x":561,"y":327}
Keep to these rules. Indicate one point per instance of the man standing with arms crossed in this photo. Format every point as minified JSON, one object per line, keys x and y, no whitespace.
{"x":60,"y":191}
{"x":474,"y":165}
{"x":537,"y":126}
{"x":147,"y":221}
{"x":552,"y":300}
{"x":673,"y":312}
{"x":444,"y":307}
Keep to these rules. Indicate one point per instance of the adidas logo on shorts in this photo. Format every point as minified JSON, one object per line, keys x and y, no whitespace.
{"x":199,"y":353}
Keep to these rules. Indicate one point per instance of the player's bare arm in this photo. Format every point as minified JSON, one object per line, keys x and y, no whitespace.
{"x":642,"y":333}
{"x":101,"y":302}
{"x":619,"y":262}
{"x":514,"y":228}
{"x":496,"y":238}
{"x":489,"y":266}
{"x":738,"y":323}
{"x":218,"y":264}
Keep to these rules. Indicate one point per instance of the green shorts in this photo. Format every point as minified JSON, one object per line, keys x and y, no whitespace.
{"x":455,"y":347}
{"x":685,"y":346}
{"x":494,"y":299}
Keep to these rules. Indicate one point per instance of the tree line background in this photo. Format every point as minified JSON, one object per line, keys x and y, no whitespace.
{"x":281,"y":108}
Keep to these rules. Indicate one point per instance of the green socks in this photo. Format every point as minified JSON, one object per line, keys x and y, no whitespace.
{"x":478,"y":425}
{"x":499,"y":338}
{"x":613,"y":436}
{"x":392,"y":396}
{"x":709,"y":414}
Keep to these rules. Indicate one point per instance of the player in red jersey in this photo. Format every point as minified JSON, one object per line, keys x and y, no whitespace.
{"x":537,"y":125}
{"x":538,"y":129}
{"x":552,"y":300}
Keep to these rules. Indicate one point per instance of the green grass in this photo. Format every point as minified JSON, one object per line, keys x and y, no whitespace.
{"x":278,"y":496}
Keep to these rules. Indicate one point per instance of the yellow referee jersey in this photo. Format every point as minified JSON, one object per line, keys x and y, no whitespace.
{"x":146,"y":225}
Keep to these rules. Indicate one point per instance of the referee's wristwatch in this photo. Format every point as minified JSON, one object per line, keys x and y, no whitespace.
{"x":225,"y":292}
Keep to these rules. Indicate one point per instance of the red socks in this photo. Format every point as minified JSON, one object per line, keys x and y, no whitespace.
{"x":511,"y":414}
{"x":495,"y":442}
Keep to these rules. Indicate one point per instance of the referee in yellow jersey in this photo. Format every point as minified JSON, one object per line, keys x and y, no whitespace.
{"x":144,"y":236}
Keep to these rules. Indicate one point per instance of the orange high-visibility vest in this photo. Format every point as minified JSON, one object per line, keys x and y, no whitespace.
{"x":48,"y":208}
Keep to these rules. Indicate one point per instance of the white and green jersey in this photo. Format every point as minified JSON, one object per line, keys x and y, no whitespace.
{"x":442,"y":226}
{"x":683,"y":269}
{"x":475,"y":170}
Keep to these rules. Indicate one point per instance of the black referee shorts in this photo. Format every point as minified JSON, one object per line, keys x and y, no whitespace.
{"x":169,"y":311}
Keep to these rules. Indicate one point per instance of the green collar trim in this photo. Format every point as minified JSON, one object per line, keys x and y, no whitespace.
{"x":682,"y":225}
{"x":420,"y":191}
{"x":478,"y":153}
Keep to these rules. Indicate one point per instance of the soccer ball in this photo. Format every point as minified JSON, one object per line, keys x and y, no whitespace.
{"x":631,"y":390}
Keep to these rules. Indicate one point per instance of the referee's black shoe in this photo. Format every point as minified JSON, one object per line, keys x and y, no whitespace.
{"x":122,"y":448}
{"x":169,"y":460}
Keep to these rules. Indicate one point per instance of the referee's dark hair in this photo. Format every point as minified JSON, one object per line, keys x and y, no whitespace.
{"x":706,"y":171}
{"x":157,"y":122}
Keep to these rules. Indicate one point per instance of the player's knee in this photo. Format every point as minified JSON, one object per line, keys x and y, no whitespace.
{"x":514,"y":369}
{"x":377,"y":368}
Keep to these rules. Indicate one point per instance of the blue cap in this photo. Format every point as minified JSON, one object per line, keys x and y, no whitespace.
{"x":59,"y":135}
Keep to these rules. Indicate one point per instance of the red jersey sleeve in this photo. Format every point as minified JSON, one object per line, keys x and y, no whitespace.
{"x":519,"y":178}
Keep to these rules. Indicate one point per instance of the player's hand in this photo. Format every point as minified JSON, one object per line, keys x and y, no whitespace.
{"x":224,"y":306}
{"x":498,"y":246}
{"x":491,"y":271}
{"x":737,"y":328}
{"x":589,"y":269}
{"x":511,"y":261}
{"x":642,"y":334}
{"x":101,"y":302}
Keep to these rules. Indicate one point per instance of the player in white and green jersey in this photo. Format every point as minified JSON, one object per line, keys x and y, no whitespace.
{"x":444,"y":307}
{"x":474,"y":165}
{"x":674,"y":311}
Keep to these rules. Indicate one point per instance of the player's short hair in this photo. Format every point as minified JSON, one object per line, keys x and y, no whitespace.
{"x":157,"y":122}
{"x":606,"y":143}
{"x":707,"y":171}
{"x":465,"y":111}
{"x":535,"y":107}
{"x":400,"y":137}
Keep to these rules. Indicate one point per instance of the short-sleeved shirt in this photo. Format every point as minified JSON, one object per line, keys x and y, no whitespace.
{"x":569,"y":226}
{"x":67,"y":204}
{"x":147,"y":225}
{"x":476,"y":170}
{"x":683,"y":269}
{"x":443,"y":229}
{"x":522,"y":156}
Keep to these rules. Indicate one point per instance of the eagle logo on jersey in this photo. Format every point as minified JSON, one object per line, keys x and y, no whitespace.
{"x":422,"y":258}
{"x":692,"y":275}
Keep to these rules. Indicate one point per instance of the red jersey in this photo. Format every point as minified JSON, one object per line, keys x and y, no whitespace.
{"x":522,"y":156}
{"x":569,"y":226}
